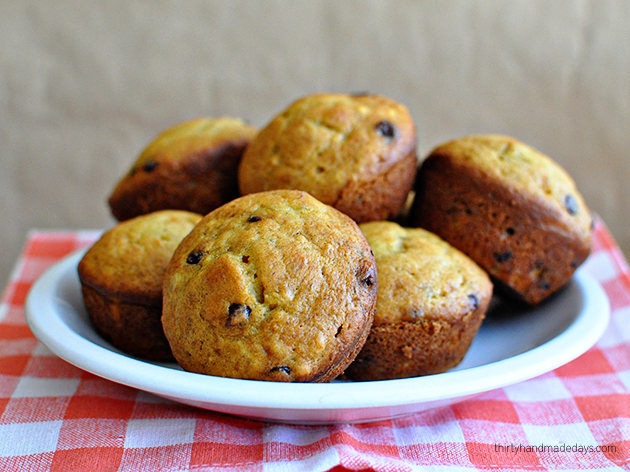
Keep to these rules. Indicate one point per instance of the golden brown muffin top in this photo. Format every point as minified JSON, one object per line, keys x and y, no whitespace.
{"x":128,"y":262}
{"x":192,"y":137}
{"x":422,"y":276}
{"x":522,"y":169}
{"x":322,"y":142}
{"x":270,"y":286}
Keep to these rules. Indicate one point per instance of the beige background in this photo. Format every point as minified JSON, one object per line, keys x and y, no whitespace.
{"x":84,"y":86}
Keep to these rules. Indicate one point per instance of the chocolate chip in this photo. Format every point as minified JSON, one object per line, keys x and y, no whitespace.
{"x":339,"y":331}
{"x":149,"y":166}
{"x":571,"y":204}
{"x":503,"y":256}
{"x":238,"y":315}
{"x":369,"y":281}
{"x":254,"y":219}
{"x":386,"y":129}
{"x":245,"y":259}
{"x":474,"y":300}
{"x":282,"y":368}
{"x":194,"y":257}
{"x":510,"y":231}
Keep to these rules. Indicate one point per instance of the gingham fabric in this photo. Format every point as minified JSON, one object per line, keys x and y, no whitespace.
{"x":55,"y":417}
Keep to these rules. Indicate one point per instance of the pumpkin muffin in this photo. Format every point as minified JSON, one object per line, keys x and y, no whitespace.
{"x":356,"y":153}
{"x":509,"y":207}
{"x":121,"y":280}
{"x":191,"y":166}
{"x":272,"y":286}
{"x":431,"y":302}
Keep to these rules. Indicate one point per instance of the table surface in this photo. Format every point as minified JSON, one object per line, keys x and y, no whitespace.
{"x":54,"y":416}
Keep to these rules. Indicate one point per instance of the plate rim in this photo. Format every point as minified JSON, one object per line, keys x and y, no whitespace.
{"x":338,"y":396}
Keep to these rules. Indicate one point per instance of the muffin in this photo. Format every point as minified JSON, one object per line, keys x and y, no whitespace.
{"x":431,"y":302}
{"x":509,"y":207}
{"x":121,"y":279}
{"x":191,"y":166}
{"x":356,"y":153}
{"x":272,"y":286}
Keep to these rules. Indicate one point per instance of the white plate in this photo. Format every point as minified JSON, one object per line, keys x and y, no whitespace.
{"x":514,"y":344}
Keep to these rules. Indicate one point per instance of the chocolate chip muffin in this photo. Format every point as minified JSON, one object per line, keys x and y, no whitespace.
{"x":272,"y":286}
{"x":431,"y":302}
{"x":191,"y":166}
{"x":356,"y":153}
{"x":509,"y":207}
{"x":121,"y":279}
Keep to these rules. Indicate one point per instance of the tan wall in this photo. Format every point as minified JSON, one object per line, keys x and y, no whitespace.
{"x":85,"y":85}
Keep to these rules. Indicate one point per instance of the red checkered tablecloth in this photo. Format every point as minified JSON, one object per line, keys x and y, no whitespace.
{"x":56,"y":417}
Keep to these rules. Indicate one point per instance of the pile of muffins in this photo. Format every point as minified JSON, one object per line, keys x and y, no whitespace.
{"x":319,"y":246}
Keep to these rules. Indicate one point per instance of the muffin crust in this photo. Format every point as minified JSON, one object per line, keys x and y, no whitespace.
{"x":190,"y":166}
{"x":356,"y":153}
{"x":271,"y":286}
{"x":510,"y":208}
{"x":431,"y":302}
{"x":121,"y":279}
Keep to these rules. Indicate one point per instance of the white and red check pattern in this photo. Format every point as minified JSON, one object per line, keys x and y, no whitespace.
{"x":55,"y":417}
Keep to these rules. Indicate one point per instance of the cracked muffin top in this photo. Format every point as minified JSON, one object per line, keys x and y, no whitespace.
{"x":355,"y":152}
{"x":271,"y":286}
